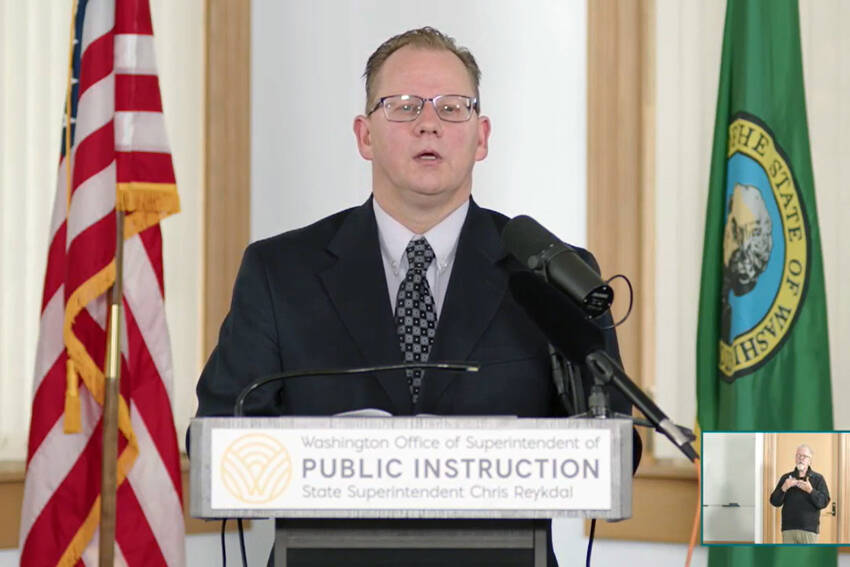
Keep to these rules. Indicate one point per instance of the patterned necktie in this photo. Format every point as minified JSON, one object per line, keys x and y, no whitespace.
{"x":416,"y":315}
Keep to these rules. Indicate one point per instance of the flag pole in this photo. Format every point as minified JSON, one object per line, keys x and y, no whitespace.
{"x":109,"y":463}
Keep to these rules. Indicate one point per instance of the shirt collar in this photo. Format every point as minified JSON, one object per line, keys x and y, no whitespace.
{"x":443,"y":237}
{"x":809,"y":471}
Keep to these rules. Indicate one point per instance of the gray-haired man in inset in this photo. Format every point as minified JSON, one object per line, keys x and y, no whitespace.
{"x":802,"y":494}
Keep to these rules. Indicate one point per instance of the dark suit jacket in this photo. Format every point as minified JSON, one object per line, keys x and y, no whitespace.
{"x":317,"y":298}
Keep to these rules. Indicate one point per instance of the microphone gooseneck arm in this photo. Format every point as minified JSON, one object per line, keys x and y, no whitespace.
{"x":238,"y":406}
{"x":606,"y":370}
{"x":567,"y":328}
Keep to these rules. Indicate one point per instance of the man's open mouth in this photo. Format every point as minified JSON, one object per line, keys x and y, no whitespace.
{"x":428,"y":155}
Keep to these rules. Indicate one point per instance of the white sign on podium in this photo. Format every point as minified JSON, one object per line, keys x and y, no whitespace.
{"x":411,"y":467}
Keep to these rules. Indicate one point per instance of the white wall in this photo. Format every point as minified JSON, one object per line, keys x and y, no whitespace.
{"x":307,"y":60}
{"x":826,"y":67}
{"x":688,"y":41}
{"x":33,"y":63}
{"x":759,"y":501}
{"x":729,"y":476}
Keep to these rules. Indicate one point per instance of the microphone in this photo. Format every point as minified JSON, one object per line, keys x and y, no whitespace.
{"x":566,"y":327}
{"x":561,"y":320}
{"x":541,"y":250}
{"x":238,"y":407}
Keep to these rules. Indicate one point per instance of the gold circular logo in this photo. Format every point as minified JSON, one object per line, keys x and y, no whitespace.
{"x":256,"y":468}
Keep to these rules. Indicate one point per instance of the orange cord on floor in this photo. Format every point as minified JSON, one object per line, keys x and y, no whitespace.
{"x":695,"y":528}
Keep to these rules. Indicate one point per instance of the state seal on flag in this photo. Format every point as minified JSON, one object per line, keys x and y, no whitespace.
{"x":765,"y":249}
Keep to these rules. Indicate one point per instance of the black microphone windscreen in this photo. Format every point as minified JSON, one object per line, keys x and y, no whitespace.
{"x":561,"y":320}
{"x":524,"y":237}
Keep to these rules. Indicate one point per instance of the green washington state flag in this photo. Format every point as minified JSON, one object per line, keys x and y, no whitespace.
{"x":762,"y":350}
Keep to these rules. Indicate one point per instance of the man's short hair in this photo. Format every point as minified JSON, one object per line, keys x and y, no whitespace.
{"x":811,"y":453}
{"x":424,"y":38}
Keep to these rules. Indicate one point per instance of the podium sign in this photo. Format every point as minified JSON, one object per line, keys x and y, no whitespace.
{"x":411,"y":467}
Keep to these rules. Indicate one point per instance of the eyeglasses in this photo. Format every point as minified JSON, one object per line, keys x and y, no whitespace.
{"x":407,"y":108}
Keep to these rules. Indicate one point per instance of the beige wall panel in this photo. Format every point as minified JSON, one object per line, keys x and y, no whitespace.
{"x":228,"y":158}
{"x":663,"y":508}
{"x":614,"y":142}
{"x":179,"y":35}
{"x":688,"y":42}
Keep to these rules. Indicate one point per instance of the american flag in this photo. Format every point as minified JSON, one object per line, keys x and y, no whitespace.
{"x":114,"y":156}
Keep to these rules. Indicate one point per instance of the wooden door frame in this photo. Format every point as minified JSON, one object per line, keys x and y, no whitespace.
{"x":227,"y":158}
{"x":770,"y":513}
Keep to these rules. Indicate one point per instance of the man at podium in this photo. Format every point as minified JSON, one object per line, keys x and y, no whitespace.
{"x":416,"y":273}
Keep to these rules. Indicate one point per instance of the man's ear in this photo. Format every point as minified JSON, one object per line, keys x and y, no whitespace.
{"x":363,"y":134}
{"x":483,"y":138}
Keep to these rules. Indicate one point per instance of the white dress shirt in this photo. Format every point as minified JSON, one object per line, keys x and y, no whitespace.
{"x":443,"y":238}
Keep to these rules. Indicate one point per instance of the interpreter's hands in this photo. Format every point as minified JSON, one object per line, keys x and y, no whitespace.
{"x":805,"y":485}
{"x":789,"y":482}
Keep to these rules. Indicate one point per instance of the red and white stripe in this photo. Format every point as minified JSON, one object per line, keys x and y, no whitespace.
{"x":120,"y":138}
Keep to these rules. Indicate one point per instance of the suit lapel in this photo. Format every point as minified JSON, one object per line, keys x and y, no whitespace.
{"x":357,"y":287}
{"x":476,"y":289}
